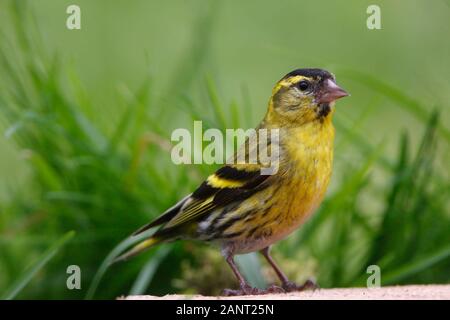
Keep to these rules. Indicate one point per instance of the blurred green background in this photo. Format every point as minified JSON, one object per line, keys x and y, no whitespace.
{"x":86,"y":117}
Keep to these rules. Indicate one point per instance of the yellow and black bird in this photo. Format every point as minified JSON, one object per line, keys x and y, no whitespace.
{"x":242,"y":209}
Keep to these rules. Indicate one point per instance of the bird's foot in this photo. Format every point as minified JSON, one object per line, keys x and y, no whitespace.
{"x":291,"y":286}
{"x":248,"y":290}
{"x":274,"y":289}
{"x":287,"y":287}
{"x":243,"y":291}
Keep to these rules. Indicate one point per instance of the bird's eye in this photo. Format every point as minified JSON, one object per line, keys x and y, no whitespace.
{"x":303,"y":85}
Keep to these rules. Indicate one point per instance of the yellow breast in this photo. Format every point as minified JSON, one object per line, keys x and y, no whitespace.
{"x":303,"y":177}
{"x":307,"y":168}
{"x":310,"y":153}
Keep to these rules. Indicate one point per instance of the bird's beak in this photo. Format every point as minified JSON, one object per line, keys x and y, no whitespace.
{"x":330,"y":92}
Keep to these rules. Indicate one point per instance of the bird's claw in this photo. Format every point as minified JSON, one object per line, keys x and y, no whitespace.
{"x":292,"y":287}
{"x":287,"y":287}
{"x":243,"y":291}
{"x":248,"y":290}
{"x":274,"y":289}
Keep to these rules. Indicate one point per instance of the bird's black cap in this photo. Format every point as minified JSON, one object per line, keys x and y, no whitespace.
{"x":310,"y":73}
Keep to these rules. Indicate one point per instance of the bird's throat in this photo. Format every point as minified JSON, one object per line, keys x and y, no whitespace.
{"x":323,"y":110}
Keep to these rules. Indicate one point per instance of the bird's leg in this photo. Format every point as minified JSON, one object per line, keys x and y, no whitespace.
{"x":287,"y":285}
{"x":244,"y":287}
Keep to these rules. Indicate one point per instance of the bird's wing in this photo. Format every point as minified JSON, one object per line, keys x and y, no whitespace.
{"x":165,"y":217}
{"x":228,"y":184}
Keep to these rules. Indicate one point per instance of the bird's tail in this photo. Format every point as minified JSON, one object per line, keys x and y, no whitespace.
{"x":144,"y":245}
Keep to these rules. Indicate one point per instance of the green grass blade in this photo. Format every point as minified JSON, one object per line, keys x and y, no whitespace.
{"x":215,"y":102}
{"x":235,"y":117}
{"x":148,"y":271}
{"x":122,"y":246}
{"x":15,"y":289}
{"x":415,"y":267}
{"x":401,"y":100}
{"x":247,"y":107}
{"x":190,"y":65}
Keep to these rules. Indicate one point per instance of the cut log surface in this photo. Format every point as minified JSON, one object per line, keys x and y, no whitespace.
{"x":414,"y":292}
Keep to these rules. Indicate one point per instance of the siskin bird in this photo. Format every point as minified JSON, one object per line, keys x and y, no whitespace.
{"x":245,"y":211}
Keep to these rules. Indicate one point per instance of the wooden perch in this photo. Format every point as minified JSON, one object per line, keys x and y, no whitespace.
{"x":427,"y":292}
